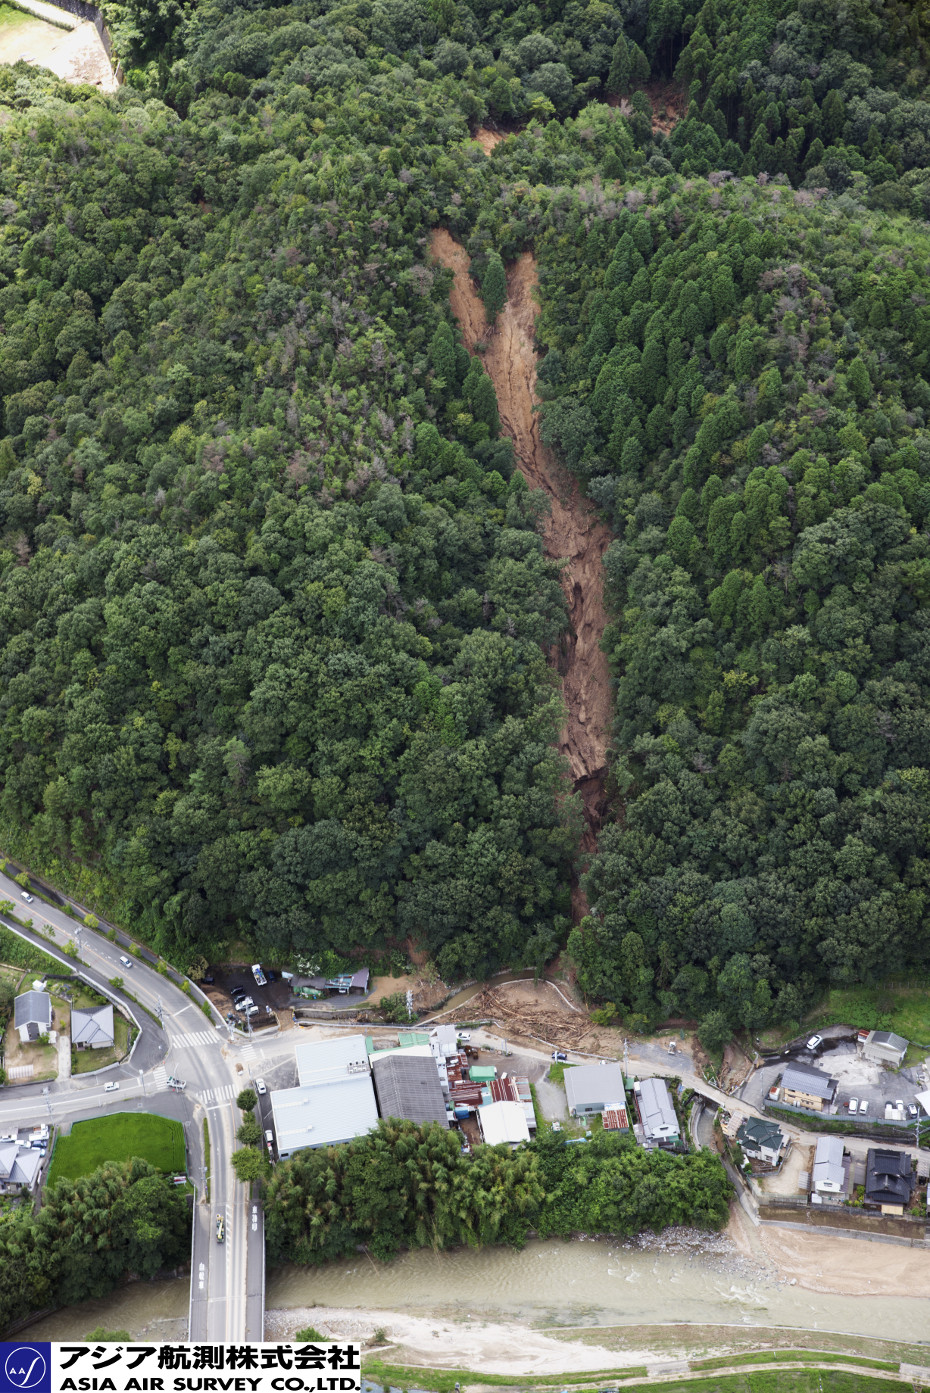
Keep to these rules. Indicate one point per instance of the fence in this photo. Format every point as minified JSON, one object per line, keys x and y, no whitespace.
{"x":848,"y":1221}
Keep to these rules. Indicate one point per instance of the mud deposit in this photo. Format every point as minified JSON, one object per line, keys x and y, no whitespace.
{"x":572,"y":531}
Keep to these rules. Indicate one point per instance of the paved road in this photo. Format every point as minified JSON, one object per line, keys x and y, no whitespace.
{"x":227,"y":1303}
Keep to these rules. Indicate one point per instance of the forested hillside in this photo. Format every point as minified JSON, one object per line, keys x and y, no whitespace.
{"x":273,"y":605}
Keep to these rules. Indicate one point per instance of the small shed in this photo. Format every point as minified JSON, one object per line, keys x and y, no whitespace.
{"x":481,"y":1073}
{"x":884,"y":1047}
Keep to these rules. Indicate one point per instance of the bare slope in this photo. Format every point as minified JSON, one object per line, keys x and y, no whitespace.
{"x":572,"y":531}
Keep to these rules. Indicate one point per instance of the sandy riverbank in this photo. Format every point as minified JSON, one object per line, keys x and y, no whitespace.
{"x":472,"y":1343}
{"x":841,"y":1266}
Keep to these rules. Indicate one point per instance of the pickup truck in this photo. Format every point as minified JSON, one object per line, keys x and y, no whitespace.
{"x":259,"y":976}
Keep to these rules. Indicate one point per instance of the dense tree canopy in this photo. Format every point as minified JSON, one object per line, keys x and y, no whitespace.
{"x":409,"y":1186}
{"x":90,"y":1236}
{"x":273,"y":605}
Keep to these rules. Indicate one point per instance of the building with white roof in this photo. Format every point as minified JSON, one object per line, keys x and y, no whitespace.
{"x":656,"y":1111}
{"x":334,"y":1100}
{"x":830,"y":1175}
{"x":503,"y":1123}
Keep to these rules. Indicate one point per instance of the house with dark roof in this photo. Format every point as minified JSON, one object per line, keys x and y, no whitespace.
{"x":805,"y":1087}
{"x":762,"y":1140}
{"x":407,"y":1085}
{"x":92,"y":1028}
{"x":884,"y":1047}
{"x":888,"y":1180}
{"x":32,"y":1015}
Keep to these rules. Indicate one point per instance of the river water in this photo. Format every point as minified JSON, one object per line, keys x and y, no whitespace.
{"x":588,"y":1282}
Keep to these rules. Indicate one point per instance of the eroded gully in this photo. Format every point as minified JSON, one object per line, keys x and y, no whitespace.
{"x":572,"y":531}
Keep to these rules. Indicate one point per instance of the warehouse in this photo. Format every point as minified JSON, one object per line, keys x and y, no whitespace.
{"x":408,"y":1086}
{"x":334,"y":1100}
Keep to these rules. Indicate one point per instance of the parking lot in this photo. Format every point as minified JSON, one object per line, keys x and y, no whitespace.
{"x":856,"y":1078}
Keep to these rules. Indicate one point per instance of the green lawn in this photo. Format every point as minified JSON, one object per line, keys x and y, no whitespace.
{"x":117,"y":1138}
{"x":781,"y":1381}
{"x":776,"y":1381}
{"x":905,"y":1010}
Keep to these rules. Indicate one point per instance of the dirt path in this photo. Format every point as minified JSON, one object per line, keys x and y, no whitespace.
{"x":571,"y":532}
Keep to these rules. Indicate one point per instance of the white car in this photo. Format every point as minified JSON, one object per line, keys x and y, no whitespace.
{"x":25,"y":895}
{"x":814,"y":1041}
{"x":260,"y":1088}
{"x":864,"y":1105}
{"x":464,"y":1035}
{"x":110,"y":1087}
{"x":127,"y":962}
{"x":854,"y":1105}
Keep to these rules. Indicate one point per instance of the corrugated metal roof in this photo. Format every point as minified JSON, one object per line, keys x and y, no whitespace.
{"x":324,"y":1114}
{"x":889,"y":1039}
{"x":593,"y":1085}
{"x":615,"y":1120}
{"x":656,"y":1110}
{"x":828,"y":1162}
{"x":408,"y":1086}
{"x":800,"y":1078}
{"x":324,"y":1061}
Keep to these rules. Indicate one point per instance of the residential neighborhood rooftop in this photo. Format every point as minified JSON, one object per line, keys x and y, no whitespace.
{"x":92,"y":1026}
{"x":802,"y":1078}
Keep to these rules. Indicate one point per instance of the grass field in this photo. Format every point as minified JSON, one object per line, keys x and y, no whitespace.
{"x":159,"y":1140}
{"x":759,"y":1381}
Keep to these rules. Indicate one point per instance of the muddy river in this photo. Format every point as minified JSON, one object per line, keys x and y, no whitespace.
{"x":592,"y":1283}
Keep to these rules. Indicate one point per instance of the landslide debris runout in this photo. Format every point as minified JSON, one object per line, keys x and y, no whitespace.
{"x":572,"y":530}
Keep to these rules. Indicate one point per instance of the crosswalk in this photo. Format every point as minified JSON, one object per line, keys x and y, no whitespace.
{"x":160,"y":1076}
{"x":224,"y":1094}
{"x":247,"y":1051}
{"x":195,"y":1039}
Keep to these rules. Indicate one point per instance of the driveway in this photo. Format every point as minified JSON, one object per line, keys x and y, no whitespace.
{"x":857,"y":1078}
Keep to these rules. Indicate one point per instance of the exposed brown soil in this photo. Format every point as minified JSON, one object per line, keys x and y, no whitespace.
{"x":571,"y":532}
{"x":669,"y":104}
{"x":487,"y":138}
